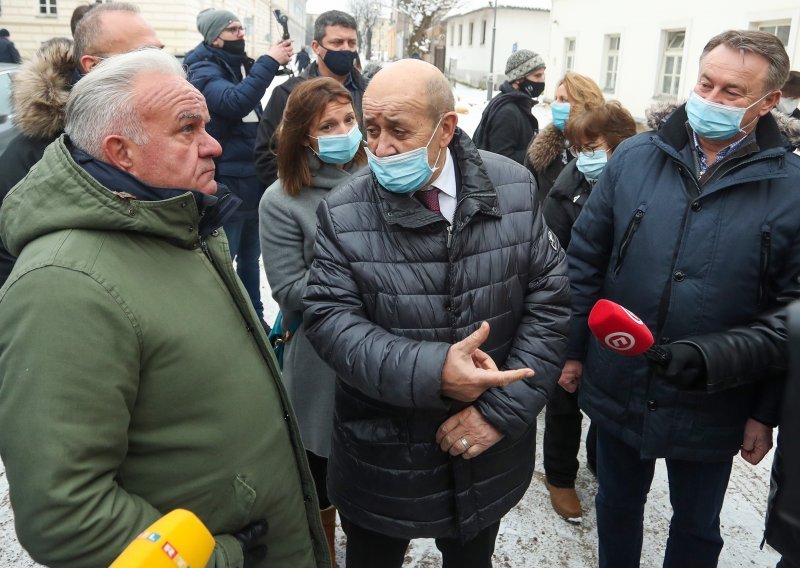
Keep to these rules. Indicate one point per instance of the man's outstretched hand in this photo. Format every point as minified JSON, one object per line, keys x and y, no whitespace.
{"x":468,"y":371}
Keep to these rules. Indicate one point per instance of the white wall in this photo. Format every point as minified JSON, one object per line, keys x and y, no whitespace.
{"x":529,"y":29}
{"x":641,"y":26}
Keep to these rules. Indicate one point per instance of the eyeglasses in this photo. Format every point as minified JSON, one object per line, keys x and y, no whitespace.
{"x":235,"y":29}
{"x":575,"y":151}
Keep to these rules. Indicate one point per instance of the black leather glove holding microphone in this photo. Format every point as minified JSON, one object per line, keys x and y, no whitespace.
{"x":248,"y":537}
{"x":685,"y":368}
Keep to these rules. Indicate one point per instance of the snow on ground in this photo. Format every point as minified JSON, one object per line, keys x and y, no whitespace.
{"x":532,"y":535}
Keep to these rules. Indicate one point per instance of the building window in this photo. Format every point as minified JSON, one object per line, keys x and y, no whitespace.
{"x":471,"y":30}
{"x":778,"y":28}
{"x":611,"y":63}
{"x":569,"y":54}
{"x":47,"y":8}
{"x":672,"y":62}
{"x":460,"y":34}
{"x":483,"y":32}
{"x":452,"y":36}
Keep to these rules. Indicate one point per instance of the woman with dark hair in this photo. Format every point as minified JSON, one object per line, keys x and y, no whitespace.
{"x":547,"y":155}
{"x":321,"y":145}
{"x":594,"y":135}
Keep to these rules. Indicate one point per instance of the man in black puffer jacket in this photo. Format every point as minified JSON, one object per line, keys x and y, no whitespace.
{"x":430,"y":438}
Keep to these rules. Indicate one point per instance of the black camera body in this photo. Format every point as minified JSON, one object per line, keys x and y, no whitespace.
{"x":283,"y":20}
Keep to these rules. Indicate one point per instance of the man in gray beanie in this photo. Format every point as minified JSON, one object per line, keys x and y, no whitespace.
{"x":507,"y":125}
{"x":233,"y":85}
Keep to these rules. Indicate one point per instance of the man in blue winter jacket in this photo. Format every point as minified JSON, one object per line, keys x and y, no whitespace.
{"x":696,"y":229}
{"x":233,"y":85}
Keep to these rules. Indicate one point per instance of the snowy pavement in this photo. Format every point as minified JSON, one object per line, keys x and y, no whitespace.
{"x":532,"y":535}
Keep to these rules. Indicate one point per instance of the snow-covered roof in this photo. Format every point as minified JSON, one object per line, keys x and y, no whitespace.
{"x":466,"y":6}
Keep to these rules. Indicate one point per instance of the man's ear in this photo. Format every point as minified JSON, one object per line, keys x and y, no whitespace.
{"x":449,"y":123}
{"x":315,"y":47}
{"x":769,"y":102}
{"x":88,"y":62}
{"x":217,"y":43}
{"x":117,"y":152}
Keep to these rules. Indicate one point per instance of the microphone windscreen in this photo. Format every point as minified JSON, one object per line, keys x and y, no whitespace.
{"x":177,"y":539}
{"x":619,"y":329}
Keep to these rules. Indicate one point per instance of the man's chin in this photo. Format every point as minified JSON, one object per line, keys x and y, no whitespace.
{"x":209,"y":189}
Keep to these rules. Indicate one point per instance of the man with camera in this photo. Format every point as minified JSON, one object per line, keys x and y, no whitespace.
{"x":335,"y":44}
{"x":233,"y":85}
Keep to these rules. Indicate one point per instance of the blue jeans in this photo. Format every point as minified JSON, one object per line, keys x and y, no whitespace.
{"x":696,"y":492}
{"x":246,"y":250}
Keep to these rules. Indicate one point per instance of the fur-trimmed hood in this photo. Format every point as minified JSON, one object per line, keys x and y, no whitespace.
{"x":41,"y":89}
{"x":546,"y":147}
{"x":788,"y":126}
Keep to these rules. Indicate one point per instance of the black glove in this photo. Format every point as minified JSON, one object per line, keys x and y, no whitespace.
{"x":686,"y":368}
{"x":248,"y":537}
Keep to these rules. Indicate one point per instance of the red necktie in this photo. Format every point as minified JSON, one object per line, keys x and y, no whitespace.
{"x":430,"y":198}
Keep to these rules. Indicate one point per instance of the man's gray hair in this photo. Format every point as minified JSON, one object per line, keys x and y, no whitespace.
{"x":102,"y":103}
{"x":761,"y":43}
{"x":90,"y":28}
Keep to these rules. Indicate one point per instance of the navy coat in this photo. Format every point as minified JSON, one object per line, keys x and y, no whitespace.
{"x":230,"y":98}
{"x":691,"y":264}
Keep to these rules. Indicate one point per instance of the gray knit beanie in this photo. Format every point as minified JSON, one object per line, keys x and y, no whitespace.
{"x":211,"y":22}
{"x":521,"y":63}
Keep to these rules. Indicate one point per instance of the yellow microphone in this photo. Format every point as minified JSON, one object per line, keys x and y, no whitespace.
{"x":178,"y":538}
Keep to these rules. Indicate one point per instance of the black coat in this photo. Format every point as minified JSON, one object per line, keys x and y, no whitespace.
{"x":706,"y":266}
{"x":565,"y":201}
{"x":783,"y":512}
{"x":389,"y":291}
{"x":507,"y":124}
{"x":266,"y":160}
{"x":8,"y":52}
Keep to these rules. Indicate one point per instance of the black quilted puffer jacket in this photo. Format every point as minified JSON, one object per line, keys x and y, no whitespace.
{"x":392,"y":286}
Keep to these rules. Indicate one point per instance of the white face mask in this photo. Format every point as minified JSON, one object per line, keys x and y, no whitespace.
{"x":787,"y":105}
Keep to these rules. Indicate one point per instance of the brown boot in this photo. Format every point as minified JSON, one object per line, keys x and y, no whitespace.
{"x":329,"y":526}
{"x":565,"y":502}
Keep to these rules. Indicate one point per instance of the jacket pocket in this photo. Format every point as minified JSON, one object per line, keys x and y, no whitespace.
{"x":763,"y":266}
{"x":627,"y":237}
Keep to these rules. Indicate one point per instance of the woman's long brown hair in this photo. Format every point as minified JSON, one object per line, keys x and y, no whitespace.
{"x":304,"y":107}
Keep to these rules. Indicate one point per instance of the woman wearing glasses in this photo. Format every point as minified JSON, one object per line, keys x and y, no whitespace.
{"x":547,"y":155}
{"x":320,"y":146}
{"x":594,"y":135}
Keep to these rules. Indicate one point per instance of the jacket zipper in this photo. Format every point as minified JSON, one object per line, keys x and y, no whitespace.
{"x":633,"y":225}
{"x":766,"y":241}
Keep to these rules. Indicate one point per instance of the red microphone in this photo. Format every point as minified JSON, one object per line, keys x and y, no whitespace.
{"x":624,"y":332}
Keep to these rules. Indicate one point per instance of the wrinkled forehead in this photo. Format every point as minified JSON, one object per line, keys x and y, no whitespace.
{"x":169,"y":97}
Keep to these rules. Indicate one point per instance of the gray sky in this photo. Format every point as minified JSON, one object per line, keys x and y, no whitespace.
{"x":319,"y":6}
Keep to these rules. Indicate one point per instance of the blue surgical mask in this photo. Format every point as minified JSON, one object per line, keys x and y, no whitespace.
{"x":338,"y":148}
{"x":591,"y":164}
{"x":714,"y":120}
{"x":406,"y":172}
{"x":560,"y":115}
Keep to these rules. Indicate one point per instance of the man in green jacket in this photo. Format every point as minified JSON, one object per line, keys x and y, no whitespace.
{"x":134,"y":375}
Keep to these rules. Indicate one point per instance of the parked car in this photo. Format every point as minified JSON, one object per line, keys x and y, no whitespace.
{"x":7,"y":129}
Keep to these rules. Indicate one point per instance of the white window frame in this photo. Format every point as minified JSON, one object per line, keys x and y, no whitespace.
{"x":611,"y":62}
{"x":50,"y":8}
{"x":771,"y":26}
{"x":569,"y":53}
{"x":672,"y":58}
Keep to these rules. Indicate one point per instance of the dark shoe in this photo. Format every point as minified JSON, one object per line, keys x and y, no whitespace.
{"x":565,"y":502}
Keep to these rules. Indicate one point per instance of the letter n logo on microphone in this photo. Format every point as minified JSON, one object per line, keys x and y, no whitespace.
{"x":620,"y":341}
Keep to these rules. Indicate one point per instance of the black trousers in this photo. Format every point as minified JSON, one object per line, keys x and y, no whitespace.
{"x":368,"y":549}
{"x":562,"y":439}
{"x":319,"y":472}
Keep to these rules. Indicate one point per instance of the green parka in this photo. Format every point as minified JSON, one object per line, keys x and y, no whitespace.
{"x":135,"y":379}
